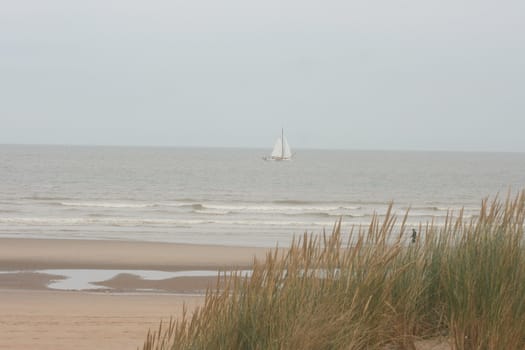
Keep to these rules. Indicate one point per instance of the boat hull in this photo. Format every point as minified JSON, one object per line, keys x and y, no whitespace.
{"x":276,"y":159}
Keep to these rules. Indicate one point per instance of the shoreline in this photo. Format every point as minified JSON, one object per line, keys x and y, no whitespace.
{"x":118,"y":266}
{"x":39,"y":254}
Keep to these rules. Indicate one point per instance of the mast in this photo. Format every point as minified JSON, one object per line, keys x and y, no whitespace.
{"x":282,"y":143}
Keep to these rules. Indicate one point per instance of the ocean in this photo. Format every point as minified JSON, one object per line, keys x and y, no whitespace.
{"x":233,"y":197}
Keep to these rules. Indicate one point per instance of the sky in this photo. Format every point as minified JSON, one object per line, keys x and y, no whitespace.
{"x":369,"y":74}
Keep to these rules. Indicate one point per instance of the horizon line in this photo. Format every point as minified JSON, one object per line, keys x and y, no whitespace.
{"x":258,"y":148}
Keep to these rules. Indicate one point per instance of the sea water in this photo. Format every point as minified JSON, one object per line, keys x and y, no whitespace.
{"x":232,"y":196}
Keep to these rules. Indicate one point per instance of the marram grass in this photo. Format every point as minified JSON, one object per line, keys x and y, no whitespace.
{"x":464,"y":281}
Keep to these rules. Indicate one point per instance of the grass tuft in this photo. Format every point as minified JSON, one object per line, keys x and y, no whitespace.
{"x":464,"y":280}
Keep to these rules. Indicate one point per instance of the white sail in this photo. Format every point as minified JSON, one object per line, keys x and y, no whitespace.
{"x":278,"y":149}
{"x":287,"y":152}
{"x":281,"y":149}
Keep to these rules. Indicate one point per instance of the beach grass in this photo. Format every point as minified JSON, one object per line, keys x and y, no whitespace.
{"x":463,"y":281}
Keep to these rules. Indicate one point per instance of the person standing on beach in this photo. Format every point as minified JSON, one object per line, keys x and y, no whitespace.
{"x":414,"y":235}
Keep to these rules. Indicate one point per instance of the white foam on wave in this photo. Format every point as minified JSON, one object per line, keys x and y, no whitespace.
{"x":279,"y":208}
{"x":112,"y":221}
{"x":107,"y":204}
{"x":212,"y":220}
{"x":217,"y":208}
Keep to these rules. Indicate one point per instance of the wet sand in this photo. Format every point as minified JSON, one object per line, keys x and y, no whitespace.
{"x":18,"y":254}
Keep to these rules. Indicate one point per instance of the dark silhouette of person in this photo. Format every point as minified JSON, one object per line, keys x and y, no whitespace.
{"x":414,"y":235}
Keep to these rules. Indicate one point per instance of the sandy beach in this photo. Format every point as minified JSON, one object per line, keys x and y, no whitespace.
{"x":118,"y":315}
{"x":77,"y":320}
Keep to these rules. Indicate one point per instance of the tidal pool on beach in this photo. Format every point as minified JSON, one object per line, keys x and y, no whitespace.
{"x":88,"y":279}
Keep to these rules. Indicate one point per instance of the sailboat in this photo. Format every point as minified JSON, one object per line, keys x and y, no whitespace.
{"x":281,"y":149}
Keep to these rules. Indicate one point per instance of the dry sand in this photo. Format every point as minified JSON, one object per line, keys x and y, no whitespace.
{"x":48,"y":320}
{"x":34,"y":317}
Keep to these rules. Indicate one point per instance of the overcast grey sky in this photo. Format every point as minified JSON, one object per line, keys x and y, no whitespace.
{"x":369,"y":74}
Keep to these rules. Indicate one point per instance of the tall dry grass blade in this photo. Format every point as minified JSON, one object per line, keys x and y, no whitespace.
{"x":463,"y":278}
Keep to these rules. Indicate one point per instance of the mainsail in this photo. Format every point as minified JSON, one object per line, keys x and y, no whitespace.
{"x":281,"y":149}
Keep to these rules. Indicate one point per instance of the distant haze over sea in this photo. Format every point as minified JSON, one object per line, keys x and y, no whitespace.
{"x":232,"y":196}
